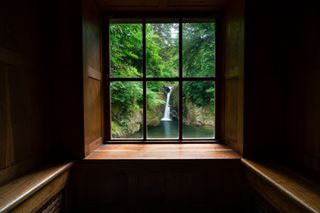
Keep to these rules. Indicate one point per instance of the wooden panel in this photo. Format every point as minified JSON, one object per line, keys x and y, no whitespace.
{"x":39,"y":199}
{"x":93,"y":111}
{"x":21,"y":132}
{"x":233,"y":76}
{"x":92,"y":75}
{"x":139,"y":5}
{"x":17,"y":169}
{"x":13,"y":58}
{"x":34,"y":189}
{"x":95,"y":74}
{"x":231,"y":113}
{"x":159,"y":186}
{"x":285,"y":190}
{"x":303,"y":97}
{"x":162,"y":152}
{"x":6,"y":135}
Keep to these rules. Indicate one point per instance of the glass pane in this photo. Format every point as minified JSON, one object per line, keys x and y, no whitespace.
{"x":162,"y":109}
{"x":126,"y":109}
{"x":198,"y":49}
{"x":162,"y":49}
{"x":199,"y":109}
{"x":125,"y":49}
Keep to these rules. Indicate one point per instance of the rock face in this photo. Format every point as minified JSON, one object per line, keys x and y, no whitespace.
{"x":134,"y":124}
{"x":127,"y":126}
{"x":154,"y":115}
{"x":198,"y":116}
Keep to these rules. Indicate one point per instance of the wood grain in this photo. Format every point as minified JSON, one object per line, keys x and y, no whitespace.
{"x":17,"y":191}
{"x":159,"y":185}
{"x":162,"y":152}
{"x":95,"y":74}
{"x":160,"y":5}
{"x":92,"y":76}
{"x":232,"y":122}
{"x":287,"y":191}
{"x":21,"y":89}
{"x":35,"y":202}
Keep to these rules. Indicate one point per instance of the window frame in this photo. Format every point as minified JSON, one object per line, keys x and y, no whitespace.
{"x":144,"y":79}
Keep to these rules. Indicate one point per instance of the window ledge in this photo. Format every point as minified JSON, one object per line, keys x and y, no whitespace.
{"x":162,"y":152}
{"x":284,"y":189}
{"x":21,"y":189}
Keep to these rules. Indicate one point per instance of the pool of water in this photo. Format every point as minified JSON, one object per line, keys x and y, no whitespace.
{"x":170,"y":129}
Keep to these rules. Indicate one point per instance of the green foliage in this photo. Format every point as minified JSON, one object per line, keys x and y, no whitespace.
{"x":162,"y":60}
{"x":162,"y":50}
{"x":125,"y":94}
{"x":126,"y":50}
{"x":201,"y":93}
{"x":198,"y":49}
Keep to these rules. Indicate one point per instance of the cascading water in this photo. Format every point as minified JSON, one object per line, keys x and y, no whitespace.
{"x":166,"y":115}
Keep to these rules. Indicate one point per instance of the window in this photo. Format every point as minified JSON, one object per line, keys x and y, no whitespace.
{"x":161,"y":79}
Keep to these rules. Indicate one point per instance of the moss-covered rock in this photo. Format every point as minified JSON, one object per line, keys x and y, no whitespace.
{"x":198,"y":116}
{"x":127,"y":126}
{"x":155,"y":112}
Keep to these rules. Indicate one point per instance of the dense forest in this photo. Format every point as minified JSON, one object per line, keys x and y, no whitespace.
{"x":162,"y":60}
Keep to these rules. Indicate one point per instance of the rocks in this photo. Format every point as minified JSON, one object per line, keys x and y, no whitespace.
{"x":127,"y":126}
{"x":198,"y":116}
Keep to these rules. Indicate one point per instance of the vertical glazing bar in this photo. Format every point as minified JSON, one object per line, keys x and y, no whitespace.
{"x":144,"y":79}
{"x":106,"y":75}
{"x":180,"y":81}
{"x":217,"y":82}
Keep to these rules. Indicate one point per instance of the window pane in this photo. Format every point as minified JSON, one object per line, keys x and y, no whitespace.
{"x":125,"y":49}
{"x":199,"y":109}
{"x":126,"y":109}
{"x":162,"y":109}
{"x":162,"y":49}
{"x":198,"y":49}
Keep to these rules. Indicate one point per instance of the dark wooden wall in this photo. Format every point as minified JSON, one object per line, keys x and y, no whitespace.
{"x":66,"y":80}
{"x":22,"y":99}
{"x":264,"y":98}
{"x":233,"y":75}
{"x":92,"y":79}
{"x":44,"y":94}
{"x":159,"y":186}
{"x":281,"y":99}
{"x":41,"y":92}
{"x":303,"y":86}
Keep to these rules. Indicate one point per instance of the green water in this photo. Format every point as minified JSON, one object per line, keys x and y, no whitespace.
{"x":170,"y":129}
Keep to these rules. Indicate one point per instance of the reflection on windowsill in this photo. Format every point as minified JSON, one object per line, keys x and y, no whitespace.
{"x":162,"y":152}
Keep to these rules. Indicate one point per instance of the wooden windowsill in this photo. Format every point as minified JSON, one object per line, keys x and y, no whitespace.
{"x":17,"y":191}
{"x":284,"y":189}
{"x":162,"y":152}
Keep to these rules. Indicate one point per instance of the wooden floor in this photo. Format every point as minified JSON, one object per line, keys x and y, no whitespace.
{"x":162,"y":152}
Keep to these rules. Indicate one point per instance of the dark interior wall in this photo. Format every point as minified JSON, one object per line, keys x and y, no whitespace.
{"x":303,"y":87}
{"x":92,"y":76}
{"x":41,"y":93}
{"x":66,"y":80}
{"x":233,"y":75}
{"x":265,"y":80}
{"x":22,"y":96}
{"x":159,"y":186}
{"x":282,"y":78}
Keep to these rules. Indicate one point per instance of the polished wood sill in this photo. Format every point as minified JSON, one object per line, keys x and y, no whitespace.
{"x":162,"y":152}
{"x":17,"y":191}
{"x":283,"y":188}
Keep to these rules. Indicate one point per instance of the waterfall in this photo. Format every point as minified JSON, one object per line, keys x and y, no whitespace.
{"x":166,"y":115}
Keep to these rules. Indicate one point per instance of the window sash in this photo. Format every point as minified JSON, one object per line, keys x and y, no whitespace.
{"x":144,"y":79}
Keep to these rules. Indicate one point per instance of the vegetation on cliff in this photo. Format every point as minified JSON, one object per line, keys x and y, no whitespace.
{"x":162,"y":60}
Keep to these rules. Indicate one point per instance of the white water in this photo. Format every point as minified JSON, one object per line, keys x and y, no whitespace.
{"x":166,"y":115}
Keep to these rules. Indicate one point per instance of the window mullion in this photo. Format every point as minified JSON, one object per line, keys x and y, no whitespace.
{"x":107,"y":104}
{"x":180,"y":80}
{"x":144,"y":54}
